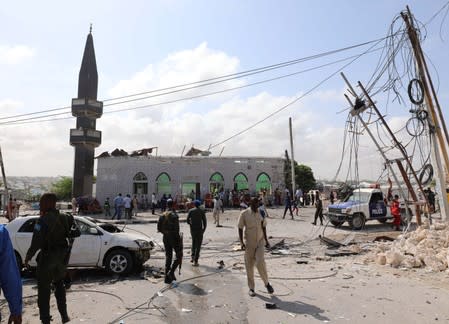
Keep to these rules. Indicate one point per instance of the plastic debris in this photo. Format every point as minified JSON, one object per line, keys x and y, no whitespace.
{"x":186,"y":310}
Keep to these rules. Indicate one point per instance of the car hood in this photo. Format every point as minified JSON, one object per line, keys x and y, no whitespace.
{"x":346,"y":204}
{"x":124,"y":236}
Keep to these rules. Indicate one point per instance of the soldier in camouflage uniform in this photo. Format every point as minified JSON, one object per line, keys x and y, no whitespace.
{"x":168,"y":225}
{"x":51,"y":236}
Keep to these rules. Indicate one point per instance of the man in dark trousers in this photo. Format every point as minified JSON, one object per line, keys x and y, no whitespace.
{"x":288,"y":204}
{"x":51,"y":236}
{"x":198,"y":223}
{"x":319,"y":210}
{"x":168,"y":225}
{"x":10,"y":281}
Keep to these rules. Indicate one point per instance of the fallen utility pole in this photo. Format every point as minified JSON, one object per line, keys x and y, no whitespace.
{"x":357,"y":112}
{"x":435,"y":149}
{"x":404,"y":154}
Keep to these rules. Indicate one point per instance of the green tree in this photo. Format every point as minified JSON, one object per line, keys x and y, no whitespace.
{"x":304,"y":177}
{"x":63,"y":188}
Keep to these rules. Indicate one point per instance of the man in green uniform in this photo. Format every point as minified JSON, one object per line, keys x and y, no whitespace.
{"x":198,"y":223}
{"x":51,"y":236}
{"x":168,"y":225}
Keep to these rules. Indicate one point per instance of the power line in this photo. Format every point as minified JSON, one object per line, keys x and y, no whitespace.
{"x":38,"y":118}
{"x":209,"y":81}
{"x":294,"y":100}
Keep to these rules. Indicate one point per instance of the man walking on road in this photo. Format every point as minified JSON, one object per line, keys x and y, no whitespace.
{"x":288,"y":204}
{"x":198,"y":223}
{"x":118,"y":203}
{"x":168,"y":225}
{"x":255,"y":242}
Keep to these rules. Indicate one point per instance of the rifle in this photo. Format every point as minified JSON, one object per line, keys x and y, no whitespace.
{"x":181,"y":252}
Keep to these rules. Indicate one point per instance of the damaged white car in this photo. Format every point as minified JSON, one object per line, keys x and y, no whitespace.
{"x":98,"y":246}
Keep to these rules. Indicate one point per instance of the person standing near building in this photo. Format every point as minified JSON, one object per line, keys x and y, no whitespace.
{"x":198,"y":223}
{"x":319,"y":210}
{"x":395,"y":209}
{"x":51,"y":234}
{"x":256,"y":240}
{"x":288,"y":204}
{"x":216,"y":211}
{"x":10,"y":281}
{"x":127,"y":203}
{"x":168,"y":225}
{"x":118,"y":203}
{"x":153,"y":203}
{"x":107,"y":207}
{"x":134,"y":206}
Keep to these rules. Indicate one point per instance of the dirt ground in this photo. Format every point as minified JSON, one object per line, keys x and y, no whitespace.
{"x":310,"y":287}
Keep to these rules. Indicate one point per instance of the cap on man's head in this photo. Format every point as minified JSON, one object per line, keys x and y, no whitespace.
{"x":197,"y":203}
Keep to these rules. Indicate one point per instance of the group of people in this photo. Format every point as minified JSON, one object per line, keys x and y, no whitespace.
{"x":122,"y":204}
{"x":252,"y":234}
{"x":53,"y":236}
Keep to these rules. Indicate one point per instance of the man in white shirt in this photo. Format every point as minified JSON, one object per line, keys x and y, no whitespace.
{"x":127,"y":204}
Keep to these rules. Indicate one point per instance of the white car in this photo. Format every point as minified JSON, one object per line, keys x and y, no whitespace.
{"x":97,"y":247}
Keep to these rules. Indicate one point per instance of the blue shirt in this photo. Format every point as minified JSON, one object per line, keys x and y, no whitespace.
{"x":10,"y":281}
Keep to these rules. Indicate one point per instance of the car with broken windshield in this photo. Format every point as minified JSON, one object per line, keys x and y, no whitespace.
{"x":99,"y":246}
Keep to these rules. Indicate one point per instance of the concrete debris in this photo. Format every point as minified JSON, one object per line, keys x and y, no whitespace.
{"x":427,"y":247}
{"x":329,"y":242}
{"x":340,"y":252}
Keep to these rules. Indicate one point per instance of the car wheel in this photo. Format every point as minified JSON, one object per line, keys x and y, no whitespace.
{"x":337,"y":223}
{"x":18,"y":260}
{"x":382,"y":220}
{"x":357,"y":221}
{"x":119,"y":262}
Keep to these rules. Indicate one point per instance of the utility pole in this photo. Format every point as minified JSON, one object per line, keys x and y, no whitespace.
{"x":292,"y":164}
{"x":435,"y":133}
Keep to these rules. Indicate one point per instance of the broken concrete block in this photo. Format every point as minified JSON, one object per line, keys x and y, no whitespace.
{"x":433,"y":263}
{"x":394,"y":258}
{"x":381,"y":259}
{"x":438,"y":226}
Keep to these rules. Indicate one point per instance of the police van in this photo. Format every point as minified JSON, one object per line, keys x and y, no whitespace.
{"x":362,"y":205}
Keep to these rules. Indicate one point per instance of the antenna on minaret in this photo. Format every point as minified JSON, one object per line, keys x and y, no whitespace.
{"x":90,"y":29}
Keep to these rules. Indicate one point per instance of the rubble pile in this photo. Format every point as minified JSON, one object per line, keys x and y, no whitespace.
{"x":427,"y":247}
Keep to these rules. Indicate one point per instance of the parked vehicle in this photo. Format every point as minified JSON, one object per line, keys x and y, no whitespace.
{"x":117,"y":251}
{"x":361,"y":206}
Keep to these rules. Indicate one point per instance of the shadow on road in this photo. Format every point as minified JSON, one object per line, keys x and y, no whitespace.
{"x":296,"y":307}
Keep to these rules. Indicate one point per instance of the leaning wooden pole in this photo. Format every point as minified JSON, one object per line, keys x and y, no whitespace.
{"x":436,"y":149}
{"x":420,"y":66}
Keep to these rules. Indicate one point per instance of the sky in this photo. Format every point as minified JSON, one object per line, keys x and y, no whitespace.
{"x":143,"y":45}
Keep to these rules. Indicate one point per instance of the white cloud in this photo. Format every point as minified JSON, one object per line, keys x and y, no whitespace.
{"x":15,"y":54}
{"x":9,"y":107}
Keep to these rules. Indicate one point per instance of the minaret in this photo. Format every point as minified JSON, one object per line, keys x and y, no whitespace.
{"x":85,"y":138}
